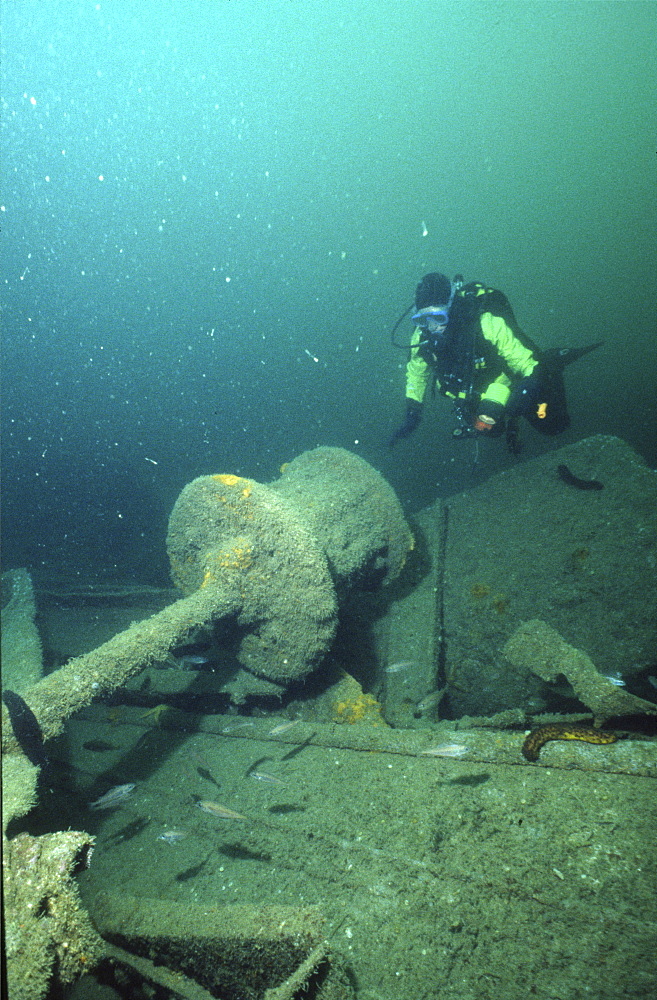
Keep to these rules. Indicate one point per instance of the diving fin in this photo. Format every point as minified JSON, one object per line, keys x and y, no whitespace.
{"x":551,"y":417}
{"x":556,"y":359}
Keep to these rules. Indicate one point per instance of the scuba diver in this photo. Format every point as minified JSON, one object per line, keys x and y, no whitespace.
{"x":468,"y":344}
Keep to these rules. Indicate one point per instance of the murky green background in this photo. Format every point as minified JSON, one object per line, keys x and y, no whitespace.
{"x":214,"y":212}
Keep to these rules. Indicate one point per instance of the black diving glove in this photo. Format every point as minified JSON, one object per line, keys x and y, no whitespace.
{"x":411,"y":420}
{"x":527,"y":395}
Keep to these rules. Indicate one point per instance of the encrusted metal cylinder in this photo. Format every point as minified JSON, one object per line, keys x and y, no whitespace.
{"x":294,"y":549}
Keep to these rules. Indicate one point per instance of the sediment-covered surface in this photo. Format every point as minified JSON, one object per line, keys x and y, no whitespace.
{"x":442,"y":862}
{"x":472,"y":877}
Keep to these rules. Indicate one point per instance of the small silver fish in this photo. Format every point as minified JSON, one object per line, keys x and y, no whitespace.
{"x":114,"y":797}
{"x":396,"y":668}
{"x":615,"y":679}
{"x":265,"y":776}
{"x":238,"y":725}
{"x":430,"y":701}
{"x":283,"y":727}
{"x":188,"y":661}
{"x":193,"y":660}
{"x":172,"y":836}
{"x":446,"y":750}
{"x":221,"y":812}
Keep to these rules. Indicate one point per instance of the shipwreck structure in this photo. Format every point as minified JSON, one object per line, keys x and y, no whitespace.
{"x":528,"y":603}
{"x":277,"y":560}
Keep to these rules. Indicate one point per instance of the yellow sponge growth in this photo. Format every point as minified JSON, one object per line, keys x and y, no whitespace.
{"x":246,"y":485}
{"x":364,"y":708}
{"x":238,"y":556}
{"x":227,"y":480}
{"x":352,"y":705}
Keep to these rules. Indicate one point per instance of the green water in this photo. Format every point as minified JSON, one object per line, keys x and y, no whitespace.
{"x":275,"y":180}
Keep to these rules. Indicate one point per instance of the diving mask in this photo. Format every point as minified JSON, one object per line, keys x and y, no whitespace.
{"x":432,"y":318}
